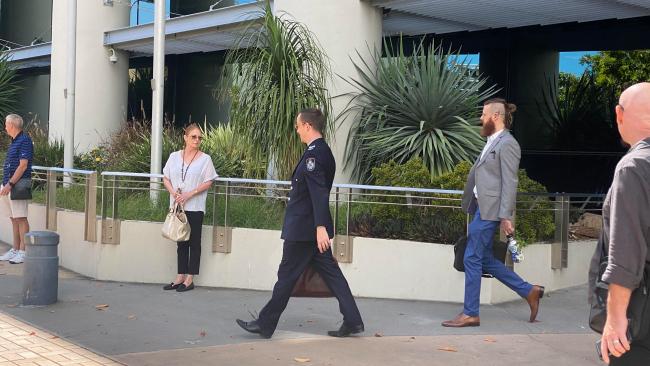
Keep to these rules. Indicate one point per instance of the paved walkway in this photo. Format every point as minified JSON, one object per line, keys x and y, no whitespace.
{"x":142,"y":325}
{"x":24,"y":345}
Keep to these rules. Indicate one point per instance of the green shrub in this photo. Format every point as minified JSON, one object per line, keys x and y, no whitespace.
{"x":232,"y":154}
{"x":95,"y":159}
{"x":423,"y":104}
{"x":129,"y":150}
{"x":444,"y":223}
{"x":46,"y":152}
{"x":534,"y":220}
{"x":411,"y":216}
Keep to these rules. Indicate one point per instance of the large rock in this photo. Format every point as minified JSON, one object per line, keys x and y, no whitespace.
{"x":589,"y":225}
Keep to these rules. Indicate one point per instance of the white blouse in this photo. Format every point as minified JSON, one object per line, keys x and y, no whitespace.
{"x":199,"y":171}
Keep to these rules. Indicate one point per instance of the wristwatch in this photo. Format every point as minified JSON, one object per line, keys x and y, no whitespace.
{"x":11,"y":184}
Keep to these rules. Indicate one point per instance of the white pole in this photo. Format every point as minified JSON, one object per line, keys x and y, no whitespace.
{"x":69,"y":91}
{"x":158,"y":86}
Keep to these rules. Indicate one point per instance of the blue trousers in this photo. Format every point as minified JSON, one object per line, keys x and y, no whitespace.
{"x":479,"y":258}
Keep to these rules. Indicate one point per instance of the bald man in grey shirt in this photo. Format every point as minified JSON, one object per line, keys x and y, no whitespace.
{"x":626,"y":227}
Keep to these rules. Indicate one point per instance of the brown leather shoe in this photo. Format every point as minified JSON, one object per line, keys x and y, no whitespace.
{"x":536,"y":293}
{"x":462,"y":320}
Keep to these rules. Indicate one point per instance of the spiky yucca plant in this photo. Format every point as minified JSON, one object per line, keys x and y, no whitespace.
{"x":9,"y":87}
{"x":424,"y":105}
{"x":276,"y":69}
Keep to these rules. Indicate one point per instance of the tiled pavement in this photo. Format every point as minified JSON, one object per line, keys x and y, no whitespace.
{"x":24,"y":345}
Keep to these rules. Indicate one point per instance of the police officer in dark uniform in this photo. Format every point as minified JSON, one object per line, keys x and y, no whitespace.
{"x":307,"y":233}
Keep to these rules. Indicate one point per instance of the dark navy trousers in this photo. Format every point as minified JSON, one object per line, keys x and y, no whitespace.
{"x":479,"y":258}
{"x":296,"y":256}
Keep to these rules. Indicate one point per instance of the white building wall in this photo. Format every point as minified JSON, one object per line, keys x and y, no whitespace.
{"x":343,"y":28}
{"x":101,"y":86}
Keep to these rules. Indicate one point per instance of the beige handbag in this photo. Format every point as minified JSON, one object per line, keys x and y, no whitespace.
{"x":176,"y":227}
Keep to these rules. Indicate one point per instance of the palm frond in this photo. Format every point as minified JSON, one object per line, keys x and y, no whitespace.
{"x":424,"y":105}
{"x":9,"y":87}
{"x":272,"y":74}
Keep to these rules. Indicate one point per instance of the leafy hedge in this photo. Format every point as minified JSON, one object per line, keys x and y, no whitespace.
{"x":534,"y":220}
{"x":129,"y":150}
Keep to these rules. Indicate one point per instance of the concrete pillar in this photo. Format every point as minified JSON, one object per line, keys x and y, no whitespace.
{"x":101,"y":86}
{"x":525,"y":73}
{"x":358,"y":27}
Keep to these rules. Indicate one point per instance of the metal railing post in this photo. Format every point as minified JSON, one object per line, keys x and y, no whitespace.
{"x":343,"y":244}
{"x":560,"y":246}
{"x":222,"y":235}
{"x":110,"y":226}
{"x":50,"y":201}
{"x":90,"y":208}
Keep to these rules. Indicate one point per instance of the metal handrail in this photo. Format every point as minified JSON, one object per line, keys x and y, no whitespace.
{"x":342,"y":195}
{"x":139,"y":175}
{"x":63,"y":170}
{"x":340,"y":185}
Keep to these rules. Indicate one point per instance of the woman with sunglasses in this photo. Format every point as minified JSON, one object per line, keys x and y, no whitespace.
{"x":188,"y":174}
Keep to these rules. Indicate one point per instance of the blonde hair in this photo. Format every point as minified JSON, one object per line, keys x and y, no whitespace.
{"x":190,"y":127}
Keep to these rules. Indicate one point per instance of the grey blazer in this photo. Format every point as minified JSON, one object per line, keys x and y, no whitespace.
{"x":495,"y":177}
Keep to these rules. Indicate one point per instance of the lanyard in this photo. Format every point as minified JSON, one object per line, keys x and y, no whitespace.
{"x":184,"y":170}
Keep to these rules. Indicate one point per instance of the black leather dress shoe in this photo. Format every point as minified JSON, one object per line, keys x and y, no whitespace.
{"x":171,"y":286}
{"x":346,"y":330}
{"x":253,"y":327}
{"x":183,"y":288}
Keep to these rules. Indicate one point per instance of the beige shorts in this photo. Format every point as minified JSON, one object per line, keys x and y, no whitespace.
{"x":15,"y":208}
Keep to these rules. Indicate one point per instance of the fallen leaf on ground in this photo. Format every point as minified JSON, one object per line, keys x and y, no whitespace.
{"x":203,"y":333}
{"x":101,"y":307}
{"x":32,"y":333}
{"x":301,"y":359}
{"x":131,"y":317}
{"x":54,"y":337}
{"x":379,"y":334}
{"x":447,"y":349}
{"x":490,"y":340}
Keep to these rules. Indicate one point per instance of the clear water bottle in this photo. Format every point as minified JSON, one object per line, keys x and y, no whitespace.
{"x":515,"y":253}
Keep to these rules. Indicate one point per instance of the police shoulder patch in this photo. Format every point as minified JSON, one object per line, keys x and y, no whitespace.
{"x":311,"y":164}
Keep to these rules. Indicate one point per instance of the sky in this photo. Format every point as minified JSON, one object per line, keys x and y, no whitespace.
{"x":569,"y":61}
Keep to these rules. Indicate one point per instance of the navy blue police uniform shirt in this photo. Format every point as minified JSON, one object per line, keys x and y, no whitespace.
{"x":308,"y":205}
{"x":21,"y":148}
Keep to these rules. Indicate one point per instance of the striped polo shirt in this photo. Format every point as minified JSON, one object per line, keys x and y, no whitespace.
{"x":21,"y":148}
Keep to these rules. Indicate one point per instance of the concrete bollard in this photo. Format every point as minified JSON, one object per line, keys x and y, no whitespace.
{"x":41,"y":270}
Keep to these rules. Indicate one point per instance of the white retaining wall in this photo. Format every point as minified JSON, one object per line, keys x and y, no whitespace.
{"x":381,"y":268}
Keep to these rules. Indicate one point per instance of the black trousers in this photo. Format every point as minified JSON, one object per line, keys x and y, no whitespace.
{"x":638,"y":355}
{"x":296,"y":256}
{"x":189,"y":252}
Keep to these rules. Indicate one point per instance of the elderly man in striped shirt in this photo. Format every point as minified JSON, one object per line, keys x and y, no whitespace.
{"x":17,"y":166}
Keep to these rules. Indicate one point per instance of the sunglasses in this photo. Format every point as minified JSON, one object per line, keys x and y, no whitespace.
{"x":196,"y":137}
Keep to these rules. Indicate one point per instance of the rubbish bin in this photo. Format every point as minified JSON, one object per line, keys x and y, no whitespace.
{"x":41,"y":269}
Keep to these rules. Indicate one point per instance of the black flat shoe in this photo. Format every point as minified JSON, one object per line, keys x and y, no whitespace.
{"x":171,"y":286}
{"x":253,"y":327}
{"x":183,"y":288}
{"x":346,"y":330}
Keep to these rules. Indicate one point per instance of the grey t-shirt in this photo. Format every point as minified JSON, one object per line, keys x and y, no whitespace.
{"x":626,"y":219}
